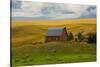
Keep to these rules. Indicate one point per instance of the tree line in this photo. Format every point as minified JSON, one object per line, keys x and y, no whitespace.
{"x":91,"y":37}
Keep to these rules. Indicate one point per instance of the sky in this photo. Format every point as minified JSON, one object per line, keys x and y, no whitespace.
{"x":29,"y":10}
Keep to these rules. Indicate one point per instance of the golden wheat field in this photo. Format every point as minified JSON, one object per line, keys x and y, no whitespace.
{"x":27,"y":32}
{"x":53,"y":22}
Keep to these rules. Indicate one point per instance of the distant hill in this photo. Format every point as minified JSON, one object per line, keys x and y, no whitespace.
{"x":55,"y":22}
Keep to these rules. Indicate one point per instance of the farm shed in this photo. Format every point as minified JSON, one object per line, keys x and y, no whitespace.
{"x":56,"y":34}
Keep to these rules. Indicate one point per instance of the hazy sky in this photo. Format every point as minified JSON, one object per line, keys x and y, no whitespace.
{"x":30,"y":10}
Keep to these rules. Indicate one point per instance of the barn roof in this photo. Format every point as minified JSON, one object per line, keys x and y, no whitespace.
{"x":54,"y":31}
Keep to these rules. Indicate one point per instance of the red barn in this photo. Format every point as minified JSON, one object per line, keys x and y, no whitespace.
{"x":56,"y":34}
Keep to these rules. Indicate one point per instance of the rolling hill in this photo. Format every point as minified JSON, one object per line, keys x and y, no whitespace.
{"x":24,"y":32}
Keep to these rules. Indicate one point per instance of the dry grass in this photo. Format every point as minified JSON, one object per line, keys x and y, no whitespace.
{"x":54,"y":22}
{"x":25,"y":32}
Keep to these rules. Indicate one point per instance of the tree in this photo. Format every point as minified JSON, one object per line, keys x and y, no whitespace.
{"x":70,"y":36}
{"x":80,"y":37}
{"x":92,"y":38}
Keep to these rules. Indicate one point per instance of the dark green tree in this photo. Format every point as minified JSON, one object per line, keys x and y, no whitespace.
{"x":80,"y":37}
{"x":92,"y":38}
{"x":70,"y":36}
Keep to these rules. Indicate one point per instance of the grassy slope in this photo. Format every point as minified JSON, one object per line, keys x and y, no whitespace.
{"x":53,"y":53}
{"x":25,"y":34}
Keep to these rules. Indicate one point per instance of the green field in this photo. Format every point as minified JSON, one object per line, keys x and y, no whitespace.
{"x":29,"y":48}
{"x":53,"y":53}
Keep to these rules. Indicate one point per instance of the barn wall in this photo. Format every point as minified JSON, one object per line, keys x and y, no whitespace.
{"x":52,"y":38}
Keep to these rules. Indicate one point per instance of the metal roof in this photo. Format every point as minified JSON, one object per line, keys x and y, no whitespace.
{"x":54,"y":31}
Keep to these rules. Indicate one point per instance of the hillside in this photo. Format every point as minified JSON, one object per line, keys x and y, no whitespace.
{"x":29,"y":48}
{"x":24,"y":32}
